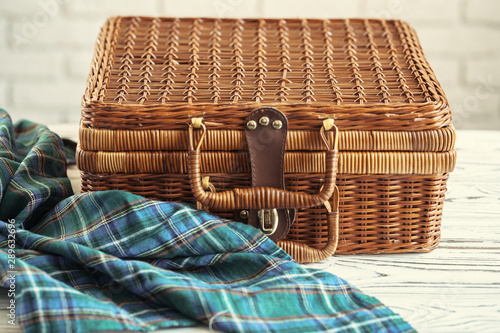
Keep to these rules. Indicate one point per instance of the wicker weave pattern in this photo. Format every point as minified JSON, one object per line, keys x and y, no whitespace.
{"x":150,"y":76}
{"x":441,"y":140}
{"x":347,"y":68}
{"x":414,"y":117}
{"x":295,"y":162}
{"x":378,"y":213}
{"x":288,"y":52}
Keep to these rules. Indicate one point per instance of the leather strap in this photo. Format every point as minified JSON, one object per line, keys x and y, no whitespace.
{"x":266,"y":131}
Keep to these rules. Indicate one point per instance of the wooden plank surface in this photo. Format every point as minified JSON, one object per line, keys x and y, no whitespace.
{"x":455,"y":288}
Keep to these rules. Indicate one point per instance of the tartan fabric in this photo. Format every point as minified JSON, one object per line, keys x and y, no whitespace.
{"x":116,"y":261}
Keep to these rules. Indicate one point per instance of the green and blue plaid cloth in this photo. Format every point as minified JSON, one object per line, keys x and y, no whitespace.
{"x":116,"y":261}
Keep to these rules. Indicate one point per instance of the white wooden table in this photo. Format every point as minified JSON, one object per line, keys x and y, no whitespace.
{"x":455,"y":288}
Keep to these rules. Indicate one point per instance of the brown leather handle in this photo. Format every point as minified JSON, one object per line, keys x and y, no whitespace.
{"x":260,"y":197}
{"x":303,"y":253}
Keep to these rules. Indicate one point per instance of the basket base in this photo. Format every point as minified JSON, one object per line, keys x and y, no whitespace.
{"x":378,"y":213}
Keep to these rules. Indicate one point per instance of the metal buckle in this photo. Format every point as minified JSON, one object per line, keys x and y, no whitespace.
{"x":268,"y":219}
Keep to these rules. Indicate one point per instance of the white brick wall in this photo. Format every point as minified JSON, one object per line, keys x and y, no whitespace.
{"x":448,"y":71}
{"x":481,"y":71}
{"x":434,"y":12}
{"x":310,"y":8}
{"x":33,"y":94}
{"x":461,"y":41}
{"x":18,"y":8}
{"x":59,"y":33}
{"x":91,"y":9}
{"x":3,"y":90}
{"x":46,"y":46}
{"x":30,"y":65}
{"x":482,"y":11}
{"x":3,"y":34}
{"x":77,"y":66}
{"x":213,"y":8}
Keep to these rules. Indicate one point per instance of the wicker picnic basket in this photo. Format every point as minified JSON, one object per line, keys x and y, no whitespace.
{"x":283,"y":124}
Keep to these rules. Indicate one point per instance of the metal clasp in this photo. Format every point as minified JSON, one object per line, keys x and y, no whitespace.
{"x":268,"y":219}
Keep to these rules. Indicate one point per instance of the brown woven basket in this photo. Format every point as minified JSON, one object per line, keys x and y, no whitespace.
{"x":151,"y":76}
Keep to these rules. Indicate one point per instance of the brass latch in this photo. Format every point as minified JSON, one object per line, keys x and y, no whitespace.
{"x":268,"y":219}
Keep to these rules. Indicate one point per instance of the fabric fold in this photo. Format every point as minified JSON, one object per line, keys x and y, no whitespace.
{"x":112,"y":260}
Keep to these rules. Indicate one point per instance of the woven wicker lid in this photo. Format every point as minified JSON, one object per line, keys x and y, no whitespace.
{"x":367,"y":74}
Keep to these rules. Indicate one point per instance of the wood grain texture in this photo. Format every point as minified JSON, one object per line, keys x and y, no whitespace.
{"x":455,"y":288}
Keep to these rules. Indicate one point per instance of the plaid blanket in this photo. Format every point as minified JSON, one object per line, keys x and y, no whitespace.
{"x":116,"y":261}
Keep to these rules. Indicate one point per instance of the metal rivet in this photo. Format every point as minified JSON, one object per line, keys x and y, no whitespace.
{"x":252,"y":124}
{"x":277,"y":124}
{"x":244,"y":214}
{"x":264,"y":121}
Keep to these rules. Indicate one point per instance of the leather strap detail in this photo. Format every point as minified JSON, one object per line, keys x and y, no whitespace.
{"x":266,"y":132}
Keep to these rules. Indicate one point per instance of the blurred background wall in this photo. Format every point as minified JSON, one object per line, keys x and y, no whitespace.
{"x":46,"y":46}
